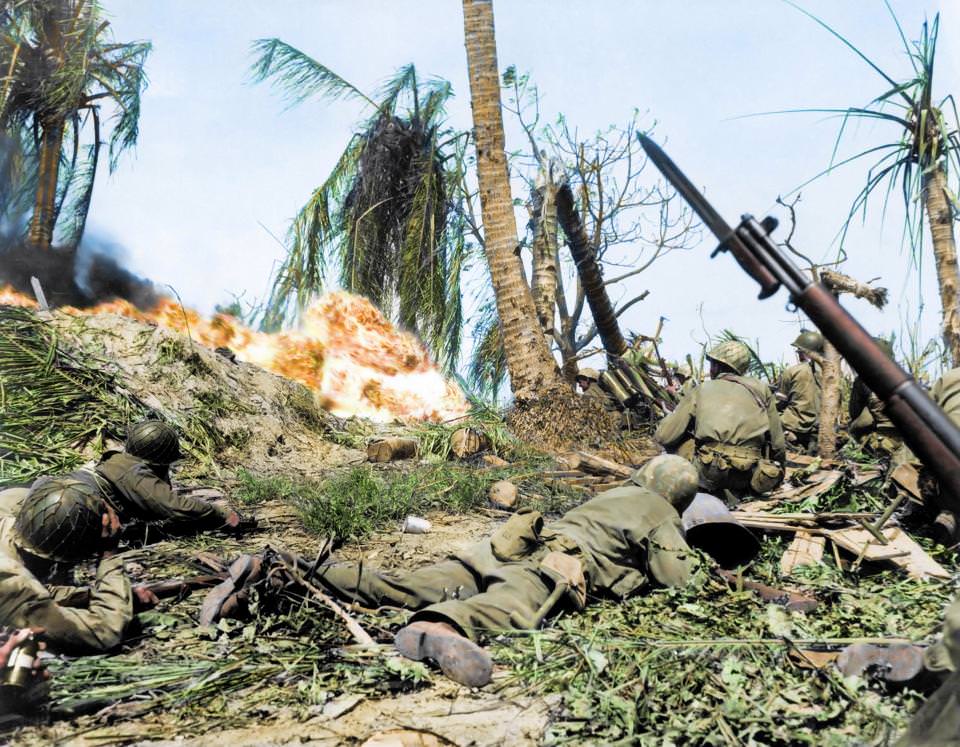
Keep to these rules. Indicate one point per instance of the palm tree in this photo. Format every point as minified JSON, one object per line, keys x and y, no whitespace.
{"x":533,"y":370}
{"x":389,"y":215}
{"x":920,"y":161}
{"x":59,"y":66}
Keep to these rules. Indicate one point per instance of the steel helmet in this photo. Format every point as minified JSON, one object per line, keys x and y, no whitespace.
{"x":588,"y":373}
{"x":61,"y":519}
{"x":731,"y":353}
{"x":671,"y":476}
{"x":154,"y":442}
{"x":809,"y":340}
{"x":709,"y":526}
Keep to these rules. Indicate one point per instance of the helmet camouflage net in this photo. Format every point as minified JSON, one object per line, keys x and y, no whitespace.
{"x":61,"y":519}
{"x":671,"y":476}
{"x":885,"y":346}
{"x":588,"y":373}
{"x":732,"y":353}
{"x":809,"y":340}
{"x":154,"y":442}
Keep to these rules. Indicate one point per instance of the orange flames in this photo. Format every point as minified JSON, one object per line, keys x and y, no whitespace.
{"x":345,"y":350}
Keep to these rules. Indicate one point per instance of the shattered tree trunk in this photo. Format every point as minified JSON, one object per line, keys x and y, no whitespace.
{"x":829,"y":401}
{"x":532,"y":368}
{"x":940,"y":217}
{"x":544,"y":284}
{"x":585,"y":259}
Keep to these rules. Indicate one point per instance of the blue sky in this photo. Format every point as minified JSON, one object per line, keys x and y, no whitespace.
{"x":222,"y":166}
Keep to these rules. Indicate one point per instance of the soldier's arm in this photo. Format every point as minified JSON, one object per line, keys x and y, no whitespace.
{"x":159,"y":500}
{"x":670,"y":559}
{"x":778,"y":444}
{"x":674,"y":427}
{"x":95,"y":628}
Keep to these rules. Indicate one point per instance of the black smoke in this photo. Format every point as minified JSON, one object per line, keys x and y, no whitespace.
{"x":84,"y":277}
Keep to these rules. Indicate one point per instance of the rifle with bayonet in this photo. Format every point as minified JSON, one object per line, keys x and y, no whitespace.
{"x":924,"y":426}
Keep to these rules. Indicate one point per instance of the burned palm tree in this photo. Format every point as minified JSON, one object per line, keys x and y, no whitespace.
{"x":387,"y":219}
{"x":60,"y":69}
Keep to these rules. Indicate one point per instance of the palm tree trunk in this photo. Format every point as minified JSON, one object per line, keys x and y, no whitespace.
{"x":829,"y":401}
{"x":544,"y":282}
{"x":531,"y":365}
{"x":586,"y":261}
{"x":44,"y":217}
{"x":940,"y":216}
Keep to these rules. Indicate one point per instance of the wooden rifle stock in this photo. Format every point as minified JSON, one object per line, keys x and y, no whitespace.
{"x":167,"y":589}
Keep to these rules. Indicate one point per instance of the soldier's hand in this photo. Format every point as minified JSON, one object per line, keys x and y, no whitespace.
{"x":144,"y":598}
{"x":233,"y":520}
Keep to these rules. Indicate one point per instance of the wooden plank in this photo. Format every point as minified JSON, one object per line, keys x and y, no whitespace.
{"x":900,"y":550}
{"x":805,"y":549}
{"x":908,"y":478}
{"x":599,"y":466}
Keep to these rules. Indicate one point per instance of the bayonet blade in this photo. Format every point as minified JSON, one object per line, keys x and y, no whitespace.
{"x":685,"y":187}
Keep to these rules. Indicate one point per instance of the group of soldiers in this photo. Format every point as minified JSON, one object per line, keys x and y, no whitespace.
{"x":728,"y":434}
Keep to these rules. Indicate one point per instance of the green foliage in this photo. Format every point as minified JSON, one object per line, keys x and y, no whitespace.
{"x":389,"y":217}
{"x":925,"y":130}
{"x":60,"y":63}
{"x":52,"y":403}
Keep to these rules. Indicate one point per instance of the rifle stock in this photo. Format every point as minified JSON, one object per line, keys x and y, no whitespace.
{"x":927,"y":430}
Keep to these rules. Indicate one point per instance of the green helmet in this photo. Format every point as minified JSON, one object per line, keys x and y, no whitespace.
{"x":154,"y":442}
{"x":61,"y":519}
{"x":885,"y":346}
{"x":671,"y":476}
{"x":588,"y":373}
{"x":731,"y":353}
{"x":809,"y":340}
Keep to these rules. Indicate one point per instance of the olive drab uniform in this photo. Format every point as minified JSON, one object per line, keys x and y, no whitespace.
{"x":870,"y":424}
{"x":597,"y":392}
{"x":137,"y":492}
{"x":623,"y":538}
{"x":800,"y":385}
{"x":738,"y":442}
{"x":75,"y":619}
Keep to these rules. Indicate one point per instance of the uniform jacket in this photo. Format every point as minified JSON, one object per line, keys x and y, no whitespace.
{"x":76,"y":620}
{"x":801,"y":385}
{"x":136,"y":492}
{"x":946,"y":393}
{"x":730,"y":409}
{"x":628,"y":536}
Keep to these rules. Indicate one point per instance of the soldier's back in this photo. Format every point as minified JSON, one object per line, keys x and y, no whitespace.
{"x":732,"y":410}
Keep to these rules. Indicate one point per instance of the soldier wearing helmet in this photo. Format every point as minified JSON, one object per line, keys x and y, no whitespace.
{"x":618,"y":543}
{"x":869,"y":422}
{"x":800,"y":386}
{"x":728,"y":427}
{"x":65,"y":521}
{"x":136,"y":482}
{"x":588,"y":381}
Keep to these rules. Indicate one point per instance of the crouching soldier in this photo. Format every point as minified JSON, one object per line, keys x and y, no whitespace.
{"x":64,"y":521}
{"x":135,"y":483}
{"x":728,"y":427}
{"x":616,"y":544}
{"x":800,"y":385}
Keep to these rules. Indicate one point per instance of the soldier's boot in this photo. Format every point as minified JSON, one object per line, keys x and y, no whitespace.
{"x":458,"y":657}
{"x":898,"y":664}
{"x":227,"y":598}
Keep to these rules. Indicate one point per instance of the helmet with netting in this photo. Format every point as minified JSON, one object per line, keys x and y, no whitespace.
{"x":671,"y":476}
{"x":732,"y":353}
{"x":809,"y":340}
{"x":61,"y":519}
{"x":154,"y":442}
{"x":588,"y":373}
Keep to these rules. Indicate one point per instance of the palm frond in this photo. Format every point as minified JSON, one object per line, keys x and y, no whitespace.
{"x":297,"y":75}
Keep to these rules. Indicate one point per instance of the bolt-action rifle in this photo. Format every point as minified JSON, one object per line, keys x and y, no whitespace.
{"x":924,"y":426}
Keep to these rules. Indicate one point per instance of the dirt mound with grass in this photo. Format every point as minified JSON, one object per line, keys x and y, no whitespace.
{"x":232,"y":414}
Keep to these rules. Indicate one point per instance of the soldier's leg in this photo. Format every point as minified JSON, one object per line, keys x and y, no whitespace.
{"x":512,"y":597}
{"x":375,"y":587}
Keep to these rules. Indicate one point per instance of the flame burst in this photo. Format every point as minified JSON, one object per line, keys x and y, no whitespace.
{"x":345,"y":350}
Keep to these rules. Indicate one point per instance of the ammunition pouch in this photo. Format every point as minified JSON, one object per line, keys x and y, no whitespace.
{"x":518,"y":538}
{"x":767,"y":475}
{"x":724,"y":457}
{"x":566,"y":571}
